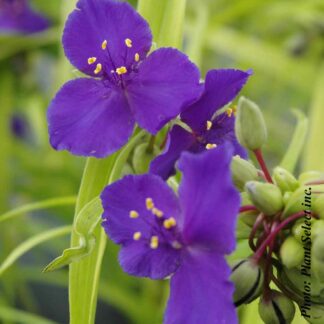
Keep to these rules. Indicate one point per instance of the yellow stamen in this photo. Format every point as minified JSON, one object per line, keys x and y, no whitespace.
{"x":154,"y":242}
{"x":98,"y":68}
{"x":170,"y":222}
{"x":92,"y":60}
{"x":137,"y":236}
{"x":128,"y":42}
{"x":121,"y":70}
{"x":137,"y":57}
{"x":157,"y":212}
{"x":229,"y":112}
{"x":133,"y":214}
{"x":104,"y":44}
{"x":209,"y":124}
{"x":234,"y":110}
{"x":210,"y":146}
{"x":149,"y":203}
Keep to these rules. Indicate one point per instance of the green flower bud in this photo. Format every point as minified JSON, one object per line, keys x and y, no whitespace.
{"x":242,"y":172}
{"x":142,"y":158}
{"x":248,"y":218}
{"x":250,"y":128}
{"x":279,"y":309}
{"x":248,"y":280}
{"x":317,"y":228}
{"x":265,"y":196}
{"x":285,"y":180}
{"x":318,"y":206}
{"x":294,"y":202}
{"x":314,"y":315}
{"x":310,"y":176}
{"x":318,"y":269}
{"x":291,"y":252}
{"x":318,"y":248}
{"x":286,"y":197}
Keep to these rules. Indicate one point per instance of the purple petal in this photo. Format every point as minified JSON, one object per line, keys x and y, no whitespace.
{"x":221,"y":87}
{"x":179,"y":140}
{"x":201,"y":292}
{"x":128,"y":196}
{"x":95,"y":21}
{"x":209,"y":200}
{"x":166,"y":82}
{"x":87,"y":118}
{"x":223,"y":130}
{"x":17,"y":17}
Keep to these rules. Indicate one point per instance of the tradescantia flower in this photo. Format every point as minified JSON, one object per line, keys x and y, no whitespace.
{"x":16,"y":16}
{"x":109,"y":41}
{"x":208,"y":127}
{"x":186,"y":236}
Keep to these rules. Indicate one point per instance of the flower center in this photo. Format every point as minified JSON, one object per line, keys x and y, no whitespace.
{"x":163,"y":229}
{"x":116,"y":74}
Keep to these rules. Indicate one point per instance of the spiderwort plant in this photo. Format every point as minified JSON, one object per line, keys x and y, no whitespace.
{"x":109,"y":41}
{"x":163,"y":234}
{"x":16,"y":16}
{"x":209,"y":126}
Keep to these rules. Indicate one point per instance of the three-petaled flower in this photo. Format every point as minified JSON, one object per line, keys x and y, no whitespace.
{"x":209,"y":127}
{"x":185,"y":236}
{"x":109,"y":41}
{"x":16,"y":16}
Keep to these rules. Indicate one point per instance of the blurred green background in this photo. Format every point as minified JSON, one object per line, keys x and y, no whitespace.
{"x":281,"y":40}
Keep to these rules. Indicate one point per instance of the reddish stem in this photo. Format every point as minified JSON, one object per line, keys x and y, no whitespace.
{"x":259,"y":157}
{"x":258,"y":254}
{"x":313,"y":183}
{"x":256,"y":225}
{"x":247,"y":208}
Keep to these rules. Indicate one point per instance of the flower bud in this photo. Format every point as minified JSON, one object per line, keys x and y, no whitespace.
{"x":250,"y":128}
{"x":142,"y":158}
{"x":294,"y":202}
{"x":248,"y":218}
{"x":248,"y":280}
{"x":317,"y":228}
{"x":291,"y":252}
{"x":278,"y":309}
{"x":285,"y":180}
{"x":265,"y":196}
{"x":318,"y":248}
{"x":242,"y":171}
{"x":315,"y":313}
{"x":318,"y":206}
{"x":310,"y":176}
{"x":318,"y":269}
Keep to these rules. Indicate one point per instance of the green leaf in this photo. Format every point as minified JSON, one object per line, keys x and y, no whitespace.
{"x":18,"y":316}
{"x":314,"y":157}
{"x":30,"y":244}
{"x":296,"y":146}
{"x":84,"y":226}
{"x":48,"y":203}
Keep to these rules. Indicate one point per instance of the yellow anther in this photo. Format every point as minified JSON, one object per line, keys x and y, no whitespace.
{"x":137,"y":236}
{"x":104,"y":44}
{"x":209,"y":124}
{"x":137,"y":57}
{"x":157,"y":212}
{"x":229,"y":112}
{"x":98,"y":69}
{"x":210,"y":146}
{"x":234,"y":108}
{"x":92,"y":60}
{"x":128,"y":42}
{"x":170,"y":222}
{"x":149,"y":203}
{"x":121,"y":70}
{"x":133,"y":214}
{"x":154,"y":242}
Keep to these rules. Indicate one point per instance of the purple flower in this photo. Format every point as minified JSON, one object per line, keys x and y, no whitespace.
{"x":187,"y":237}
{"x":208,"y":128}
{"x":16,"y":16}
{"x":109,"y":41}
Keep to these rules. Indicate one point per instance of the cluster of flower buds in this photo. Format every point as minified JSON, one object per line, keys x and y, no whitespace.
{"x":282,"y":217}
